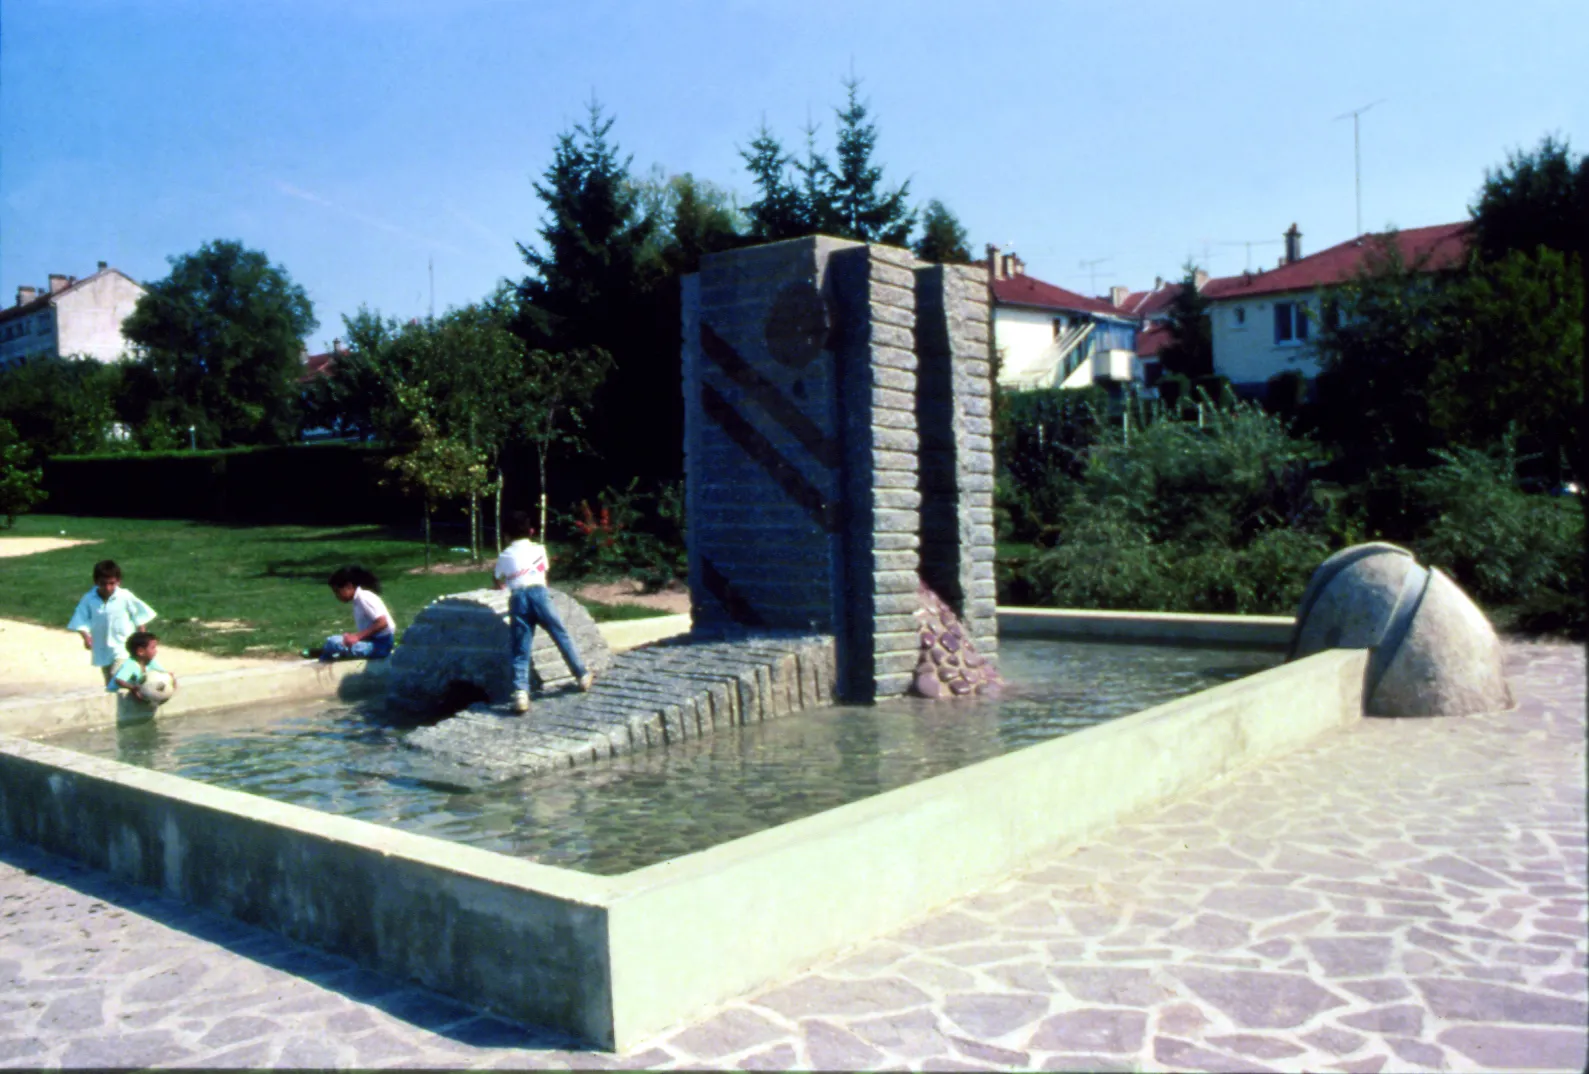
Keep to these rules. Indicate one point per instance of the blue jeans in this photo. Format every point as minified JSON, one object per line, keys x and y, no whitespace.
{"x":530,"y":606}
{"x":376,"y":648}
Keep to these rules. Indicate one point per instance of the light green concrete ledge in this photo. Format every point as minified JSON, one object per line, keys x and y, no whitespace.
{"x":1266,"y":631}
{"x":290,"y":680}
{"x":619,"y":959}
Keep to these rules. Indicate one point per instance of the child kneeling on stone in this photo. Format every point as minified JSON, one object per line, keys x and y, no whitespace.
{"x":373,"y":633}
{"x":521,"y":570}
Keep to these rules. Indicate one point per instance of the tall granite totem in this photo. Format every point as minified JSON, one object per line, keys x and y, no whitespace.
{"x":839,"y":465}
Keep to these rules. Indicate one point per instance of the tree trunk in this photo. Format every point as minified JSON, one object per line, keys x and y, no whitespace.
{"x":474,"y":526}
{"x":540,"y":464}
{"x":427,"y":533}
{"x":498,"y":512}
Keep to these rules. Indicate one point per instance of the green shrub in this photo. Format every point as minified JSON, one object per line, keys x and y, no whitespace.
{"x":1507,"y":547}
{"x":19,"y":477}
{"x":1220,"y":516}
{"x":1042,"y":439}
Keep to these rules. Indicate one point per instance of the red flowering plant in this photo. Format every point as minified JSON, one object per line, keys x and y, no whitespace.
{"x":618,"y":536}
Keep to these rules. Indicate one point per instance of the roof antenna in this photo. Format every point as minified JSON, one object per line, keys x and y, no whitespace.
{"x":1357,"y":157}
{"x":1092,"y":272}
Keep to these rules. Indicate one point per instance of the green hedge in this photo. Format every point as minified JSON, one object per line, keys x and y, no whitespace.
{"x":301,"y":483}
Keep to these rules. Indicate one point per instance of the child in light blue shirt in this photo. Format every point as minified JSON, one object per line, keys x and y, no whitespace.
{"x":107,"y":616}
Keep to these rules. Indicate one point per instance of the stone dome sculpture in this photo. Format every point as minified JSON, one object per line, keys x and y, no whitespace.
{"x":455,"y":652}
{"x":1434,"y":652}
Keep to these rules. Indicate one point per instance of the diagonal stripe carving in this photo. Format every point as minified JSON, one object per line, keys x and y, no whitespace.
{"x":732,"y":600}
{"x":766,"y":394}
{"x":759,"y":448}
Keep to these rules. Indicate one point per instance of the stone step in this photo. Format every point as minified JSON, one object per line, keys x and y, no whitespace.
{"x":668,"y":692}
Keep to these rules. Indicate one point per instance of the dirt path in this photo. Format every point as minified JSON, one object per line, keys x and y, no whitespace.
{"x":43,"y":660}
{"x":674,"y":599}
{"x":27,"y":546}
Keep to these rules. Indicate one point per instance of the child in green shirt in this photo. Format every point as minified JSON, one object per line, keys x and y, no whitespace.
{"x":134,"y":671}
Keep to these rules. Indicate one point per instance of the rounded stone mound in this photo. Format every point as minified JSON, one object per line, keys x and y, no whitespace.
{"x":455,"y":652}
{"x":1434,"y":652}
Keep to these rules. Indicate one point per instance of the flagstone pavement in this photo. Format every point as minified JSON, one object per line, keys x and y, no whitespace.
{"x":1403,"y":895}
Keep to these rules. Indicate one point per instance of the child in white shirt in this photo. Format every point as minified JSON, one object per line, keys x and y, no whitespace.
{"x":521,"y":570}
{"x":374,"y":632}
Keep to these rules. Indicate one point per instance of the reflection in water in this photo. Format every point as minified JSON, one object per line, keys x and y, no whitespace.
{"x":654,"y":805}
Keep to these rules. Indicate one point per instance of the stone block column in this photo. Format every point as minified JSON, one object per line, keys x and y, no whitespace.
{"x":877,"y":639}
{"x":954,"y":415}
{"x":838,"y":449}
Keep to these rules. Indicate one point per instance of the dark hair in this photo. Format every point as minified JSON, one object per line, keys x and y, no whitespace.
{"x":521,"y":524}
{"x":139,"y":640}
{"x":354,"y":575}
{"x":105,"y":570}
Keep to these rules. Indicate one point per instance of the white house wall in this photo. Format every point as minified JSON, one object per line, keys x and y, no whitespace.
{"x":1021,"y":336}
{"x":89,"y":317}
{"x":1247,"y":353}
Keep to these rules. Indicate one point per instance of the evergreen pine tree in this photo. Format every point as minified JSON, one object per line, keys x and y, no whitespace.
{"x":593,"y":235}
{"x":809,"y":196}
{"x":943,"y":240}
{"x":1190,"y":351}
{"x":597,"y":284}
{"x":863,"y":208}
{"x":777,"y":213}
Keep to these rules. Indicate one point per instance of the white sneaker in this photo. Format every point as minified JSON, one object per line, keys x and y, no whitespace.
{"x":521,"y":701}
{"x":587,"y":680}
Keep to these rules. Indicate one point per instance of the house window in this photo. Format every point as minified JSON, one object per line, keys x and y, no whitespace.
{"x":1239,"y":315}
{"x":1291,"y":322}
{"x":1059,"y":326}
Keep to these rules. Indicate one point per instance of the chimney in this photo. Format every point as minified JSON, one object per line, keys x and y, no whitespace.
{"x":103,"y":266}
{"x":1158,"y":282}
{"x":1293,"y":246}
{"x":993,"y":261}
{"x":1017,"y":266}
{"x":337,"y":347}
{"x":1200,"y":279}
{"x":59,"y":282}
{"x":26,"y":295}
{"x":1118,"y":295}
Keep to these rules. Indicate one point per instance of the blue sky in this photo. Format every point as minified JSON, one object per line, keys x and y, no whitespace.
{"x":355,"y":141}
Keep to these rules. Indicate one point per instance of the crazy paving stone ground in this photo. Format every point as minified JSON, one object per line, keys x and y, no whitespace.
{"x":1406,"y":895}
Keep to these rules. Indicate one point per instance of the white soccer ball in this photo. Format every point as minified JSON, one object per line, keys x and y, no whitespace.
{"x":157,"y":687}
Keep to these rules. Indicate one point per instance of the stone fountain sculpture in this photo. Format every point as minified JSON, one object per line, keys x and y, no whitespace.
{"x":1434,"y":652}
{"x":839,"y":503}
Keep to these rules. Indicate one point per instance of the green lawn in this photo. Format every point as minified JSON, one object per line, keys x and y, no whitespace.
{"x":272,"y":578}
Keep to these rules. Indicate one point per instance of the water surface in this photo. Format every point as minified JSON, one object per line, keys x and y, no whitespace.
{"x":633,"y":811}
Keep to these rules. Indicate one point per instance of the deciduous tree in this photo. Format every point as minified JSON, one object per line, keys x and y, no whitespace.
{"x":222,"y":344}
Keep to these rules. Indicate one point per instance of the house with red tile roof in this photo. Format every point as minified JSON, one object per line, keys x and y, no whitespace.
{"x":320,"y":365}
{"x":73,"y":317}
{"x":1049,"y":337}
{"x":1264,"y":323}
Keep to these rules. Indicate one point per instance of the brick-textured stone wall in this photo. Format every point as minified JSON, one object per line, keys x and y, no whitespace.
{"x":954,"y":413}
{"x":836,"y":396}
{"x":763,"y":446}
